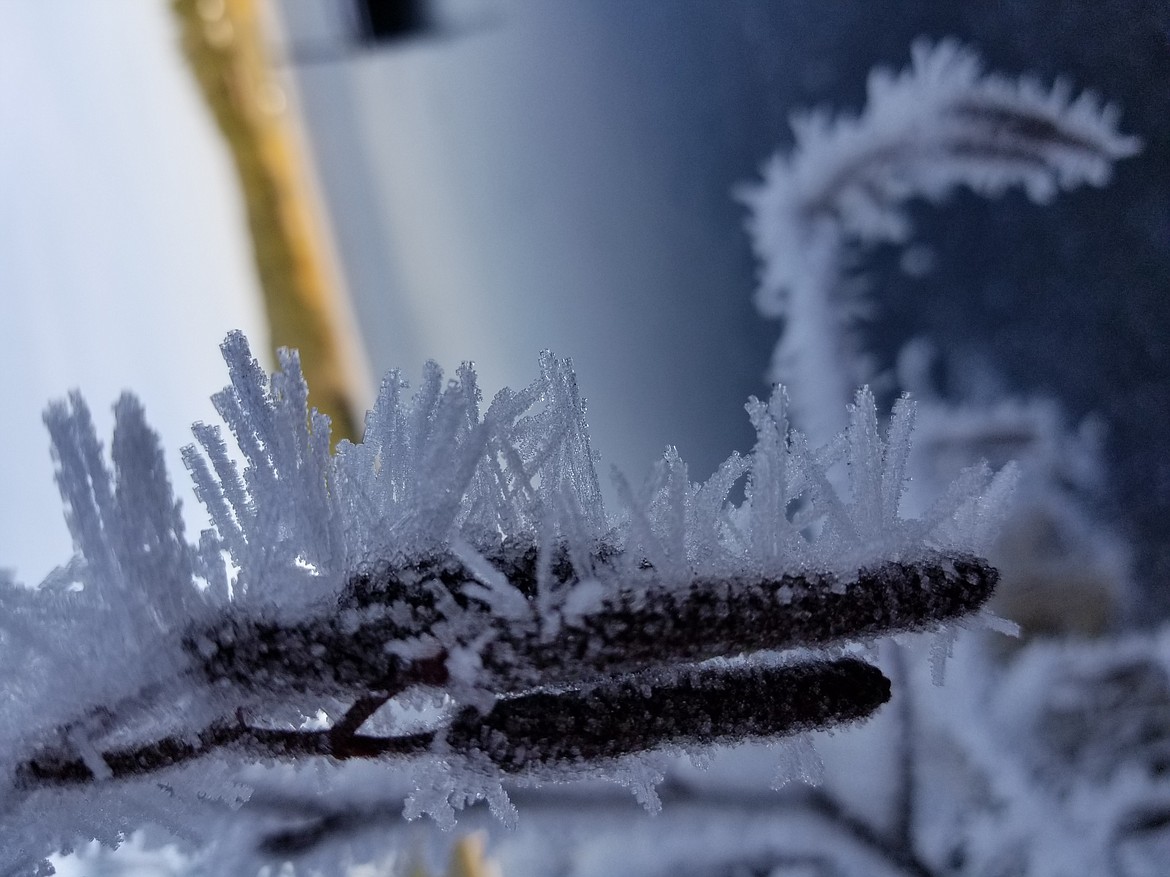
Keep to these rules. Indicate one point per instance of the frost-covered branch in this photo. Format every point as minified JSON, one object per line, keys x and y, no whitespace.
{"x":460,"y":561}
{"x":939,"y":124}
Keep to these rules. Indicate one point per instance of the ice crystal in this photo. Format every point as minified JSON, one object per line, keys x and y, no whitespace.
{"x":461,"y":554}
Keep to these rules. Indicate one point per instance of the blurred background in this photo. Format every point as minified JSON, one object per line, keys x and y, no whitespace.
{"x":379,"y":183}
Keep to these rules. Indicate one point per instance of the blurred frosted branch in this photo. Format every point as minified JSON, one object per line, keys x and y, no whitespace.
{"x":939,"y":124}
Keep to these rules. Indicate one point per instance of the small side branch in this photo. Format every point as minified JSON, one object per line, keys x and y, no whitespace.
{"x":56,"y":768}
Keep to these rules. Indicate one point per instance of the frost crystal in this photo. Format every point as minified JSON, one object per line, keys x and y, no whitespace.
{"x":461,"y":555}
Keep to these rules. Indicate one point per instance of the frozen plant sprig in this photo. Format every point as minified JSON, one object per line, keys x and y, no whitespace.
{"x":937,"y":125}
{"x":458,"y":555}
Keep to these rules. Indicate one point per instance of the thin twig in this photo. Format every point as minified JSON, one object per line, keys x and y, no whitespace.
{"x":832,"y":809}
{"x":57,"y":768}
{"x":905,"y":784}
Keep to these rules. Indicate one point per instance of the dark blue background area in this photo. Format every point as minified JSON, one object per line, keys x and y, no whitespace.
{"x":1067,"y":299}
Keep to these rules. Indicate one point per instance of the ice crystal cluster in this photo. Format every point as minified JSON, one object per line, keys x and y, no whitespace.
{"x":940,"y":124}
{"x":459,"y":556}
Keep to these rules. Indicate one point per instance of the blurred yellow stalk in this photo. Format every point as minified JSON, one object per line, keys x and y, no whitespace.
{"x":467,"y":860}
{"x":223,"y":43}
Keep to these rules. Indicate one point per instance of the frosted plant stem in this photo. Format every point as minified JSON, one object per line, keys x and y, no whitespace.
{"x":711,"y":619}
{"x":814,"y":358}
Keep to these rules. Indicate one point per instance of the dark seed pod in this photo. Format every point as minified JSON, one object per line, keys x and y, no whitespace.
{"x":696,"y":707}
{"x":659,"y":626}
{"x":654,"y":625}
